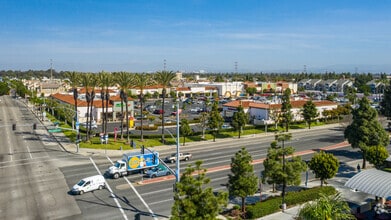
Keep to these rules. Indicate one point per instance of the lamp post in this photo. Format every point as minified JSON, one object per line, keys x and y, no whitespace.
{"x":177,"y":142}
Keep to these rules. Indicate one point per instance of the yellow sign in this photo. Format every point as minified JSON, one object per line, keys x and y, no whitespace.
{"x":134,"y":162}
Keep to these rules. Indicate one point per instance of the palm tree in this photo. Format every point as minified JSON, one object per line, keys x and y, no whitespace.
{"x":326,"y":207}
{"x":124,"y":80}
{"x":85,"y":81}
{"x":141,"y":81}
{"x":105,"y":80}
{"x":93,"y":83}
{"x":164,"y":78}
{"x":74,"y":82}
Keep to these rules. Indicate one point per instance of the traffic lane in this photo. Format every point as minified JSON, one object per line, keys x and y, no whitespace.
{"x":93,"y":205}
{"x":126,"y":197}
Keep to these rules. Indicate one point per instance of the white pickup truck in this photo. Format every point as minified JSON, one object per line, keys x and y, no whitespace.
{"x":182,"y":156}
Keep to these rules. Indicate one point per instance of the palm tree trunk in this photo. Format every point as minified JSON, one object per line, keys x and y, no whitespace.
{"x":122,"y":118}
{"x":164,"y":96}
{"x":107,"y":109}
{"x":141,"y":111}
{"x":103,"y":111}
{"x":88,"y":114}
{"x":92,"y":102}
{"x":127,"y":120}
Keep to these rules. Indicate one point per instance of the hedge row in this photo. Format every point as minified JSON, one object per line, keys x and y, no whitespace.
{"x":272,"y":204}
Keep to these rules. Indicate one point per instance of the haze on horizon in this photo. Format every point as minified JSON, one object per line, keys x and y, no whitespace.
{"x":147,"y":35}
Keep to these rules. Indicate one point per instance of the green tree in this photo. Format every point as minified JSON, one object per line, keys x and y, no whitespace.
{"x":385,"y":104}
{"x":377,"y":155}
{"x":326,"y":207}
{"x":286,"y":107}
{"x":141,"y":81}
{"x":251,"y":90}
{"x":215,"y":120}
{"x":193,"y":199}
{"x":272,"y":171}
{"x":4,"y":89}
{"x":290,"y":173}
{"x":242,"y":182}
{"x":239,"y":120}
{"x":309,"y":112}
{"x":164,"y":78}
{"x":73,"y":78}
{"x":185,"y":130}
{"x":365,"y":130}
{"x":324,"y":165}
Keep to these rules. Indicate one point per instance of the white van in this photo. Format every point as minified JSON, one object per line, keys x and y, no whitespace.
{"x":89,"y":184}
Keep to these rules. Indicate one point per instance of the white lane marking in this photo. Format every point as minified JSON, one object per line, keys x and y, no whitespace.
{"x":138,"y":195}
{"x":162,"y":201}
{"x":28,"y":150}
{"x":157,"y":191}
{"x":111,"y":191}
{"x":142,"y":200}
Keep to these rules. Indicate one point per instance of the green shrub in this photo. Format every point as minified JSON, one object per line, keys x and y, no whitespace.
{"x":147,"y":128}
{"x":272,"y":204}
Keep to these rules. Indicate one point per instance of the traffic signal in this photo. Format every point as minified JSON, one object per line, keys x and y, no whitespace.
{"x":13,"y":127}
{"x":142,"y":149}
{"x":35,"y":126}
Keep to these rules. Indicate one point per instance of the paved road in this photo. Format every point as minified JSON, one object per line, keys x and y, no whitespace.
{"x":157,"y":194}
{"x":31,"y":185}
{"x":37,"y":174}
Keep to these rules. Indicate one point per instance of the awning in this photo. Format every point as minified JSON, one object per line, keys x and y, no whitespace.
{"x":372,"y":181}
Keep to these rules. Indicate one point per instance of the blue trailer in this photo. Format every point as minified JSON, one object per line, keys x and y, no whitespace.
{"x":133,"y":163}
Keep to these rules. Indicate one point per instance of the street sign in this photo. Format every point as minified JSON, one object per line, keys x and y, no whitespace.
{"x":55,"y":130}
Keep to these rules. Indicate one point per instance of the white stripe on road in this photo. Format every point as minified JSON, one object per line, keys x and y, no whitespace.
{"x":138,"y":195}
{"x":111,"y":191}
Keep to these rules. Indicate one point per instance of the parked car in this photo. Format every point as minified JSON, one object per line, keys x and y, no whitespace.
{"x":158,"y":111}
{"x":93,"y":124}
{"x":89,"y":184}
{"x":175,"y":113}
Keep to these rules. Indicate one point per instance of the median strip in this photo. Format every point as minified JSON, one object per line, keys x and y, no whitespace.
{"x":257,"y":161}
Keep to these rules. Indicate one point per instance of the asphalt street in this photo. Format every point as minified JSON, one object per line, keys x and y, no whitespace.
{"x":38,"y":170}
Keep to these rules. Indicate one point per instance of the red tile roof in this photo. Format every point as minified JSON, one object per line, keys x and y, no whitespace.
{"x":80,"y":103}
{"x":295,"y":104}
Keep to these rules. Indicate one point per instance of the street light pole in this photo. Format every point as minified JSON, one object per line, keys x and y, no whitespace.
{"x":177,"y":143}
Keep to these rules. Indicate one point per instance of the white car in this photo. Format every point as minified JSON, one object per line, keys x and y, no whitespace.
{"x":89,"y":184}
{"x":93,"y":124}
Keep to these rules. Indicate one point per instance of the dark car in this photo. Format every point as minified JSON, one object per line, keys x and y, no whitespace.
{"x":158,"y":111}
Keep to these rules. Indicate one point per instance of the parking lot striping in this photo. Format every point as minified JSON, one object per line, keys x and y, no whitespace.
{"x":142,"y":200}
{"x":111,"y":191}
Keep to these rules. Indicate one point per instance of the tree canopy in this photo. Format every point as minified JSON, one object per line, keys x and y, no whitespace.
{"x":365,"y":130}
{"x":242,"y":182}
{"x":324,"y":165}
{"x":239,"y":120}
{"x":309,"y":112}
{"x":193,"y":199}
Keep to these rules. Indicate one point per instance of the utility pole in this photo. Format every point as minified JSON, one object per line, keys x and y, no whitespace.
{"x":51,"y":70}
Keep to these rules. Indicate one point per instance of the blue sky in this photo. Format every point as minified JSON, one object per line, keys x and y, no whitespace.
{"x":193,"y":35}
